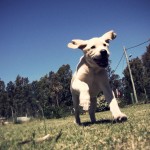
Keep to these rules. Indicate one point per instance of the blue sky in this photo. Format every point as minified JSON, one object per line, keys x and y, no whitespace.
{"x":34,"y":33}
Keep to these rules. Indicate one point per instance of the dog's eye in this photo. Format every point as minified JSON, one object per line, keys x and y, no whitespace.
{"x":93,"y":47}
{"x":107,"y":41}
{"x":104,"y":44}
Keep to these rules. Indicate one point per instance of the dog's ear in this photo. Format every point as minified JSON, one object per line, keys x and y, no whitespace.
{"x":81,"y":44}
{"x":109,"y":36}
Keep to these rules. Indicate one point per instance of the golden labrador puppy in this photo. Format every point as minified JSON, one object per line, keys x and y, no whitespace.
{"x":91,"y":77}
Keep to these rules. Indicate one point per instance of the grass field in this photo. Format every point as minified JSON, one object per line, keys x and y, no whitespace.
{"x":133,"y":134}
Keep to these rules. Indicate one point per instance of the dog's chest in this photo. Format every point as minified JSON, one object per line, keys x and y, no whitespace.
{"x":94,"y":85}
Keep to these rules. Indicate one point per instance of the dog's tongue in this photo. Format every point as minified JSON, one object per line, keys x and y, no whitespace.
{"x":103,"y":65}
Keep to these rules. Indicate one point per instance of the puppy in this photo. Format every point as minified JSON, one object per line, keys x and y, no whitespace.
{"x":91,"y":77}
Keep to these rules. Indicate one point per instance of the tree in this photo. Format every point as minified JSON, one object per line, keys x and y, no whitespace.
{"x":22,"y":98}
{"x":114,"y":80}
{"x":110,"y":72}
{"x":10,"y":89}
{"x":43,"y":96}
{"x":146,"y":67}
{"x":137,"y":72}
{"x":116,"y":84}
{"x":19,"y":96}
{"x":64,"y":77}
{"x":26,"y":97}
{"x":3,"y":99}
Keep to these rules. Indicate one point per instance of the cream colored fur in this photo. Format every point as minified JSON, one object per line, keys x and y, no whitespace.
{"x":91,"y":76}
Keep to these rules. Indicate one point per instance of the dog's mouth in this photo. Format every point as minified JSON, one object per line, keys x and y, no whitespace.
{"x":102,"y":62}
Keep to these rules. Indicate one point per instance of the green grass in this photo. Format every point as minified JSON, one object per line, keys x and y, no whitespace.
{"x":131,"y":135}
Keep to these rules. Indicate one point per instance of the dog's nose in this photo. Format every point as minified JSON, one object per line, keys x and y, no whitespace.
{"x":103,"y":53}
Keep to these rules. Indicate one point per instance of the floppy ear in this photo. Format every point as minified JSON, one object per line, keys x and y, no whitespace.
{"x":81,"y":44}
{"x":109,"y":36}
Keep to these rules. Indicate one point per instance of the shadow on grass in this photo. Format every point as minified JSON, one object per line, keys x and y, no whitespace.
{"x":103,"y":121}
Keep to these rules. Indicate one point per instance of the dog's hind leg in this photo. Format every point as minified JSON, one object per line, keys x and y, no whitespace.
{"x":92,"y":109}
{"x":75,"y":99}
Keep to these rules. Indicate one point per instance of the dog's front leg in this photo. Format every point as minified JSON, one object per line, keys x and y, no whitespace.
{"x":82,"y":89}
{"x":114,"y":108}
{"x":110,"y":97}
{"x":113,"y":104}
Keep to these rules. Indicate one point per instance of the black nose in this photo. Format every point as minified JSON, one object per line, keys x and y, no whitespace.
{"x":103,"y":53}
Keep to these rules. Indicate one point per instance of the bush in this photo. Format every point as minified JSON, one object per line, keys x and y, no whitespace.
{"x":122,"y":102}
{"x":102,"y":105}
{"x":57,"y":112}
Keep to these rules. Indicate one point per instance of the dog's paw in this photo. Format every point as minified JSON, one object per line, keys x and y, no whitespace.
{"x":84,"y":100}
{"x":77,"y":122}
{"x":85,"y":104}
{"x":120,"y":118}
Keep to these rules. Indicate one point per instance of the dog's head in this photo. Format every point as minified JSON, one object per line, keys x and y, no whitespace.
{"x":96,"y":49}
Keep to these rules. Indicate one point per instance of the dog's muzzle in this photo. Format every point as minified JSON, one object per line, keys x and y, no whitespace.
{"x":102,"y":60}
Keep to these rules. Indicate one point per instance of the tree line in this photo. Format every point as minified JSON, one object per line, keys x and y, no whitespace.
{"x":51,"y":94}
